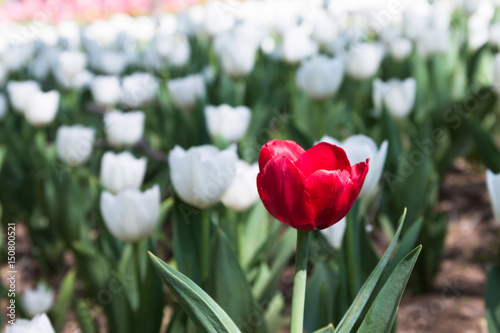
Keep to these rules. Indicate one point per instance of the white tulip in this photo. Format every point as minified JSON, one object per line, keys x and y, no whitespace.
{"x":496,"y":73}
{"x":122,"y":171}
{"x":71,"y":63}
{"x":468,"y":6}
{"x":69,"y":32}
{"x":139,"y":89}
{"x":79,"y":81}
{"x":326,"y":28}
{"x":39,"y":300}
{"x":43,"y":63}
{"x":186,"y":91}
{"x":478,"y":32}
{"x":124,"y":128}
{"x":236,"y":55}
{"x":39,"y":324}
{"x":415,"y":22}
{"x":494,"y":36}
{"x":320,"y":77}
{"x":112,"y":62}
{"x":142,"y":28}
{"x":227,"y":122}
{"x":400,"y":48}
{"x":297,"y":45}
{"x":242,"y":192}
{"x":201,"y":175}
{"x":396,"y":95}
{"x":493,"y":184}
{"x":131,"y":215}
{"x":433,"y":41}
{"x":42,"y":107}
{"x":363,"y":60}
{"x":3,"y":106}
{"x":18,"y":55}
{"x":101,"y":32}
{"x":106,"y":90}
{"x":174,"y":49}
{"x":19,"y":92}
{"x":360,"y":147}
{"x":217,"y":18}
{"x":74,"y":144}
{"x":335,"y":234}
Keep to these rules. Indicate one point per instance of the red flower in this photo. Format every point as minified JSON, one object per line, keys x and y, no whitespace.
{"x":308,"y":189}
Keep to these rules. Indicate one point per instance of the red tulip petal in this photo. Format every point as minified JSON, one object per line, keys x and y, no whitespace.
{"x":281,"y":189}
{"x":323,"y":156}
{"x":275,"y":148}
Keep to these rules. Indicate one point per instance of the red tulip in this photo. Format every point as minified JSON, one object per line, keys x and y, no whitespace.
{"x":311,"y":189}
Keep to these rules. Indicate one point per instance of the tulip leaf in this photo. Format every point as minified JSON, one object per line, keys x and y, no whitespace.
{"x":84,"y":317}
{"x":382,"y":313}
{"x":200,"y":307}
{"x":493,"y":300}
{"x":228,"y":279}
{"x":326,"y":329}
{"x":486,"y":148}
{"x":65,"y":297}
{"x":253,"y":234}
{"x":351,"y":316}
{"x":273,"y":314}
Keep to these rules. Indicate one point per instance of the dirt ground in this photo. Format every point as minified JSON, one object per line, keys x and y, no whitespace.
{"x":456,"y":303}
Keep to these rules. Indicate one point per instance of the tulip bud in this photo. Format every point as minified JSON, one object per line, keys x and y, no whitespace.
{"x":124,"y":128}
{"x":400,"y":48}
{"x":39,"y":300}
{"x":311,"y":189}
{"x":186,"y":91}
{"x":242,"y":193}
{"x":18,"y":93}
{"x":396,"y":95}
{"x":39,"y":324}
{"x":363,"y":60}
{"x":201,"y":175}
{"x":320,"y":77}
{"x":122,"y":171}
{"x":42,"y":108}
{"x":335,"y":234}
{"x":227,"y":122}
{"x":74,"y":144}
{"x":326,"y":28}
{"x":138,"y":89}
{"x":3,"y":106}
{"x":131,"y":215}
{"x":106,"y":90}
{"x":236,"y":54}
{"x":358,"y":148}
{"x":174,"y":49}
{"x":493,"y":184}
{"x":297,"y":45}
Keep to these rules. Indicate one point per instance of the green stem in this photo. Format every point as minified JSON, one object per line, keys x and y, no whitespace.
{"x":205,"y":243}
{"x":137,"y":266}
{"x":299,"y":282}
{"x":352,"y":257}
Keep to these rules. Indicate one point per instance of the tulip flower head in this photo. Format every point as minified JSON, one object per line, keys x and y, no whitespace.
{"x":122,"y":171}
{"x":227,"y":122}
{"x":18,"y":91}
{"x":42,"y":108}
{"x":39,"y":324}
{"x":241,"y":193}
{"x":396,"y":95}
{"x":311,"y":189}
{"x":74,"y":144}
{"x":124,"y":128}
{"x":320,"y":77}
{"x":39,"y":300}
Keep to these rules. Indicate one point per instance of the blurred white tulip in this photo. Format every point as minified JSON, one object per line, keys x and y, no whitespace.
{"x":335,"y":234}
{"x":43,"y":63}
{"x":477,"y":31}
{"x":124,"y":128}
{"x":297,"y":45}
{"x":227,"y":122}
{"x":122,"y":171}
{"x":18,"y":55}
{"x":71,"y":63}
{"x":112,"y":62}
{"x":242,"y":192}
{"x":39,"y":324}
{"x":42,"y":107}
{"x":236,"y":55}
{"x":39,"y":300}
{"x":131,"y":215}
{"x":142,"y":28}
{"x":201,"y":175}
{"x":138,"y":89}
{"x":433,"y":41}
{"x":396,"y":95}
{"x":320,"y":77}
{"x":217,"y":18}
{"x":493,"y":184}
{"x":326,"y":28}
{"x":186,"y":91}
{"x":69,"y":33}
{"x":106,"y":90}
{"x":468,"y":6}
{"x":358,"y":148}
{"x":174,"y":49}
{"x":363,"y":60}
{"x":3,"y":106}
{"x":74,"y":144}
{"x":19,"y":91}
{"x":101,"y":32}
{"x":494,"y":36}
{"x":400,"y":48}
{"x":79,"y":81}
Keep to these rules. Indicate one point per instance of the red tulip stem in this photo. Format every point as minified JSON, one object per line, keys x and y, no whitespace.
{"x":299,"y":282}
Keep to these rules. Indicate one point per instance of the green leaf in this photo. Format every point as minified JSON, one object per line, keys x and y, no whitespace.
{"x":486,"y":148}
{"x":382,"y":313}
{"x":253,"y":234}
{"x":200,"y":307}
{"x":273,"y":314}
{"x":227,"y":280}
{"x":493,"y":300}
{"x":65,"y":297}
{"x":326,"y":329}
{"x":84,"y":316}
{"x":351,"y":316}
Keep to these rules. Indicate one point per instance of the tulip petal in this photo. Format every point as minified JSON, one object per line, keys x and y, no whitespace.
{"x":281,"y":189}
{"x":275,"y":148}
{"x":323,"y":156}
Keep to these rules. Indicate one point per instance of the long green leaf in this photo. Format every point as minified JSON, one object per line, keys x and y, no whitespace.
{"x":351,"y":316}
{"x":382,"y":313}
{"x":493,"y":300}
{"x":327,"y":329}
{"x":200,"y":307}
{"x":66,"y":292}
